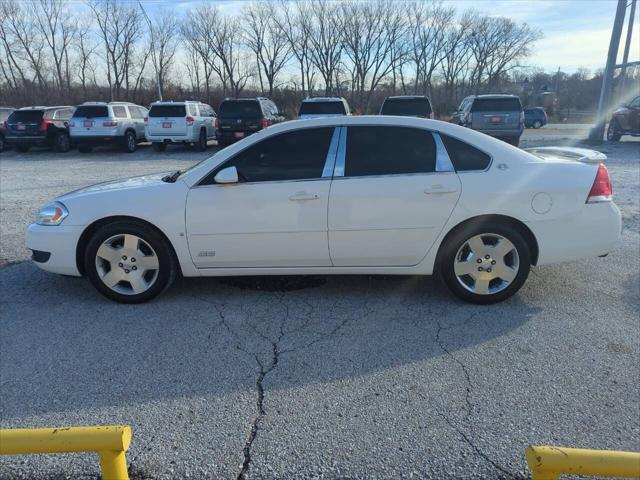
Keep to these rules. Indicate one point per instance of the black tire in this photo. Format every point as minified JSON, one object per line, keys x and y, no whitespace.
{"x":537,"y":124}
{"x":456,"y":241}
{"x":613,"y":131}
{"x":22,"y":148}
{"x":129,"y":142}
{"x":85,"y":148}
{"x":168,"y":264}
{"x":159,"y":146}
{"x":61,"y":143}
{"x":201,"y":144}
{"x":515,"y":141}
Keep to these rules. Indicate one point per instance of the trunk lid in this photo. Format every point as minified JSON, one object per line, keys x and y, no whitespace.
{"x":583,"y":155}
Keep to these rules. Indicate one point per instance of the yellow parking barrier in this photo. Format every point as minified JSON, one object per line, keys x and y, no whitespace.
{"x":110,"y":442}
{"x":548,"y":463}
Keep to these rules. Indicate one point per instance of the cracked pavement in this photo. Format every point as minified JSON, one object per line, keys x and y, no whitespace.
{"x":315,"y":377}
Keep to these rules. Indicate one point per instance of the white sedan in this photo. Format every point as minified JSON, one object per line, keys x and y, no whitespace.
{"x":340,"y":195}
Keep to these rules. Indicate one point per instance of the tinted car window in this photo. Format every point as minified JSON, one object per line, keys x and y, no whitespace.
{"x":464,"y":156}
{"x":119,"y":112}
{"x":496,"y":105}
{"x":322,"y":108}
{"x":26,"y":116}
{"x":84,"y":111}
{"x":369,"y":151}
{"x":635,"y":103}
{"x":413,"y":107}
{"x":290,"y":156}
{"x":240,"y":109}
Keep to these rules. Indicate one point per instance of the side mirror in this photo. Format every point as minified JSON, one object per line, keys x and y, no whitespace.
{"x":227,"y":175}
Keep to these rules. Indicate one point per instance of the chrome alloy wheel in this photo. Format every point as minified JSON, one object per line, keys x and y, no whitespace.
{"x":486,"y":264}
{"x":127,"y":264}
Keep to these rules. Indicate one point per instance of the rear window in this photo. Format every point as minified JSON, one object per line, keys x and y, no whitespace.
{"x":464,"y":156}
{"x":242,"y":109}
{"x":414,"y":107}
{"x":94,"y":111}
{"x":496,"y":105}
{"x":167,"y":111}
{"x":26,"y":116}
{"x":322,"y":108}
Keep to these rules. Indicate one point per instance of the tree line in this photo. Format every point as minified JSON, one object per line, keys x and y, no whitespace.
{"x":55,"y":51}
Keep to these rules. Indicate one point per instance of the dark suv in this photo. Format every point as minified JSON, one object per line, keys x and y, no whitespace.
{"x":4,"y":114}
{"x":39,"y":127}
{"x":625,"y":121}
{"x":240,"y":117}
{"x":407,"y":106}
{"x":499,"y":116}
{"x":535,"y":117}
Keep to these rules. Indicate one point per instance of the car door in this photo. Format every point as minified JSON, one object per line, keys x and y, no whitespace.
{"x":393,"y":190}
{"x":634,"y":116}
{"x":276,"y":215}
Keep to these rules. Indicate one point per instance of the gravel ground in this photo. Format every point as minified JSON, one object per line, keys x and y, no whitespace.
{"x":316,"y":377}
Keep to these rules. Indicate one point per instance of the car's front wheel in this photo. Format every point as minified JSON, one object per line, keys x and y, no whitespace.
{"x":613,"y":131}
{"x":485,"y":263}
{"x":129,"y":262}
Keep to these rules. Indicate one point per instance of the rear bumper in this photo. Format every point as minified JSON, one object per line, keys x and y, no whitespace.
{"x":96,"y":140}
{"x":35,"y":140}
{"x":54,"y":247}
{"x":229,"y":136}
{"x":172,"y":138}
{"x":502,"y":133}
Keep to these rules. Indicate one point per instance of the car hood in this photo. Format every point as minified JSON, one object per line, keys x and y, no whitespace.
{"x":121,"y":184}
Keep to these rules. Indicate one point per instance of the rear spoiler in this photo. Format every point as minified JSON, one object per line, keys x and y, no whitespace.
{"x":583,"y":155}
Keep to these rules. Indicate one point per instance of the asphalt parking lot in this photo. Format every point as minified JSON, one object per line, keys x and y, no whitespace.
{"x":316,"y":377}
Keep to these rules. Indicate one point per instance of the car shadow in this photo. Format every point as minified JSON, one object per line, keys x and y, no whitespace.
{"x":64,"y":347}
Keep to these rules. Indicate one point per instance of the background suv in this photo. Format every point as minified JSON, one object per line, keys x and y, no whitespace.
{"x":39,"y":126}
{"x":180,"y":122}
{"x":97,"y":123}
{"x":407,"y":106}
{"x":535,"y":117}
{"x":4,"y":114}
{"x":500,"y":116}
{"x":240,"y":117}
{"x":323,"y":107}
{"x":625,"y":121}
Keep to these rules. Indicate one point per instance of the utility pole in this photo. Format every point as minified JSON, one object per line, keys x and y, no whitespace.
{"x":627,"y":44}
{"x":156,"y":66}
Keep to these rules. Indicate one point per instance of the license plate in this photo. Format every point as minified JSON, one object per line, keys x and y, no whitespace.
{"x":166,"y":124}
{"x":22,"y":127}
{"x":88,"y":123}
{"x":239,"y":134}
{"x":496,"y":119}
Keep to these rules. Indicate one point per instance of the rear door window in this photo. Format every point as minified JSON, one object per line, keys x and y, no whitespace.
{"x":496,"y":105}
{"x":463,"y":156}
{"x":322,"y":108}
{"x":240,"y":109}
{"x":119,"y":111}
{"x":137,"y":112}
{"x":26,"y":116}
{"x":93,"y":111}
{"x":415,"y":107}
{"x":369,"y":151}
{"x":167,"y":111}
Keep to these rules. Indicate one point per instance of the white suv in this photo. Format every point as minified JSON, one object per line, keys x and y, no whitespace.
{"x":315,"y":107}
{"x":99,"y":123}
{"x":180,"y":122}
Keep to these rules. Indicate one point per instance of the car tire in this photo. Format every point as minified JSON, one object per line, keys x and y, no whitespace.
{"x":85,"y":148}
{"x":537,"y":124}
{"x":201,"y":144}
{"x":61,"y":143}
{"x":474,"y":257}
{"x":613,"y":131}
{"x":112,"y":249}
{"x":129,"y":145}
{"x":3,"y":144}
{"x":159,"y":146}
{"x":22,"y":148}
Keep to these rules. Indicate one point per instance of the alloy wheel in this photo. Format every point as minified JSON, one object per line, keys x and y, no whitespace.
{"x":486,"y":264}
{"x":127,"y":264}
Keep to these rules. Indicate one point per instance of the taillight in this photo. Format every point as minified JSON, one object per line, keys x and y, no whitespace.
{"x":45,"y":124}
{"x":265,"y":123}
{"x":189,"y":120}
{"x":109,"y":124}
{"x":217,"y":123}
{"x":146,"y":120}
{"x":601,"y":191}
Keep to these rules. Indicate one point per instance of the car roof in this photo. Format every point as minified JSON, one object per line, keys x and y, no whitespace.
{"x":495,"y":95}
{"x":40,"y":107}
{"x":173,"y":102}
{"x":108,"y":103}
{"x":245,"y":99}
{"x":407,"y":97}
{"x":323,"y":99}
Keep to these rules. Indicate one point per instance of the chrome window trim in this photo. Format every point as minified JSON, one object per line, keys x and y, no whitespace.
{"x":474,"y":146}
{"x":330,"y":162}
{"x":317,"y":179}
{"x":338,"y":171}
{"x":443,"y":162}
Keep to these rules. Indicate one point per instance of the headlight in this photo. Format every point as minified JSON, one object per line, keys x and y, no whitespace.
{"x":52,"y":214}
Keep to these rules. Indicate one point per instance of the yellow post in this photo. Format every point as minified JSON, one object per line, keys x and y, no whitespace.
{"x":110,"y":442}
{"x":548,"y":463}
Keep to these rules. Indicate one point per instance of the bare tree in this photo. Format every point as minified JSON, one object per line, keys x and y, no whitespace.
{"x":85,"y":48}
{"x":163,"y":31}
{"x":325,"y":40}
{"x":226,"y":46}
{"x":456,"y":63}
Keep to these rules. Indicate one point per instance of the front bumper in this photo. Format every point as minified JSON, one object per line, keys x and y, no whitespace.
{"x":60,"y":242}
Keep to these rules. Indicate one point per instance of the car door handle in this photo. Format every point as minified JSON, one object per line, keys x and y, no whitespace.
{"x":438,"y":189}
{"x":301,"y":196}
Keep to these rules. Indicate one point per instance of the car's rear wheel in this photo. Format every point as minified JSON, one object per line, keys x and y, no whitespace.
{"x":201,"y":144}
{"x":613,"y":131}
{"x":62,"y":143}
{"x":159,"y":146}
{"x":485,"y":263}
{"x":22,"y":148}
{"x":537,"y":124}
{"x":129,"y":262}
{"x":129,"y":142}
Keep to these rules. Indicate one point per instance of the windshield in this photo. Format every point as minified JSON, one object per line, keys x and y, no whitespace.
{"x":167,"y":111}
{"x":240,"y":109}
{"x":93,"y":111}
{"x":26,"y":116}
{"x":322,"y":108}
{"x":415,"y":107}
{"x":508,"y":104}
